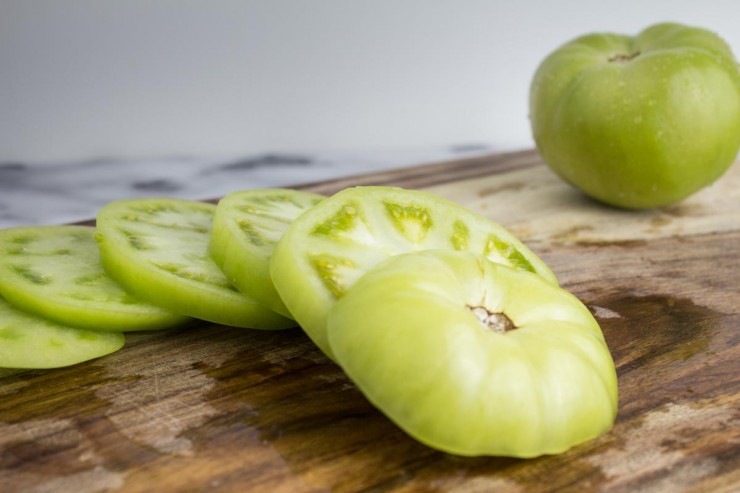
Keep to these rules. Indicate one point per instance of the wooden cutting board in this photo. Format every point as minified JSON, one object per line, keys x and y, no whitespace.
{"x":212,"y":408}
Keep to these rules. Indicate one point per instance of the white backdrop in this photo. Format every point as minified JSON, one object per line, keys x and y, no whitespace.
{"x":133,"y":78}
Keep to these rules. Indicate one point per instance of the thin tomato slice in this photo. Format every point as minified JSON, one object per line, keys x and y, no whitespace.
{"x":55,"y":272}
{"x":157,"y":248}
{"x":246,"y":227}
{"x":326,"y":249}
{"x":29,"y":341}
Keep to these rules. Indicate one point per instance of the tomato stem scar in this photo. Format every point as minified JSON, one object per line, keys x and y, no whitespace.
{"x":493,"y":321}
{"x":622,"y":57}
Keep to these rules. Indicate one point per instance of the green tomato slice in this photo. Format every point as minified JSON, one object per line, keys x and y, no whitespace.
{"x":55,"y":273}
{"x":246,"y":227}
{"x":333,"y":244}
{"x":157,"y":248}
{"x":475,"y":358}
{"x":29,"y":341}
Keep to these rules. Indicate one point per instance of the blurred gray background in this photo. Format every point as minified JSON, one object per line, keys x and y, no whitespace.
{"x":135,"y":78}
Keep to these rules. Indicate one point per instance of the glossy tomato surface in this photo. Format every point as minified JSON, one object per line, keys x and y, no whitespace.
{"x":639,"y":121}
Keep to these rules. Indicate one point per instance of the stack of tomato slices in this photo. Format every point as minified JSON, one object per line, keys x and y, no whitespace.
{"x":450,"y":325}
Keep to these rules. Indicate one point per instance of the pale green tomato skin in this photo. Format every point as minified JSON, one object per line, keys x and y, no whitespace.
{"x":325,"y":250}
{"x":55,"y":272}
{"x":31,"y":342}
{"x":638,"y":122}
{"x":157,"y":248}
{"x":246,"y":227}
{"x":406,"y":336}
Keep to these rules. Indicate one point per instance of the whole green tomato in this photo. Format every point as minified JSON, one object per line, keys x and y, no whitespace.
{"x":638,"y":122}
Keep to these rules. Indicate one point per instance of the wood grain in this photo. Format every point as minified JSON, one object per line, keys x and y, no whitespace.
{"x":213,"y":408}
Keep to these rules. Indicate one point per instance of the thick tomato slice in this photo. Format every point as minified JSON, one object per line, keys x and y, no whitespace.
{"x":475,"y":358}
